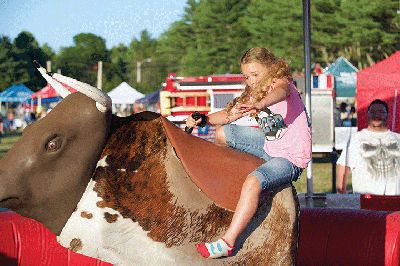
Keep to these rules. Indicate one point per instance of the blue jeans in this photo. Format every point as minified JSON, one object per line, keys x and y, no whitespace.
{"x":276,"y":171}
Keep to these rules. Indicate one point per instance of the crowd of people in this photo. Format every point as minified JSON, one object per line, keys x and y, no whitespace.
{"x":12,"y":119}
{"x":8,"y":122}
{"x":346,"y":115}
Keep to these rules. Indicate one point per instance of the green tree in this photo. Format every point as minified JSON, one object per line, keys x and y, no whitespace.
{"x":278,"y":26}
{"x":326,"y":30}
{"x":371,"y":30}
{"x":7,"y":63}
{"x":116,"y":71}
{"x":210,"y":38}
{"x":26,"y":50}
{"x":80,"y":61}
{"x":49,"y":52}
{"x":141,"y":52}
{"x":173,"y":44}
{"x":219,"y":38}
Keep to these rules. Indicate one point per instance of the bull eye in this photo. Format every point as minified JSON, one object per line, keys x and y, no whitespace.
{"x":53,"y":144}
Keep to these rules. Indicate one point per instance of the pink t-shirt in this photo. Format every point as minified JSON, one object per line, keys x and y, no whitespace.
{"x":294,"y":142}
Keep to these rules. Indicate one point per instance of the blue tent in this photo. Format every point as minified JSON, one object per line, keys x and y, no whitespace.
{"x":150,"y":102}
{"x":150,"y":99}
{"x":16,"y":93}
{"x":345,"y":77}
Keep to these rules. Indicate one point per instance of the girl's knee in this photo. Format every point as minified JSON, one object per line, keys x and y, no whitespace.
{"x":220,"y":136}
{"x":252,"y":183}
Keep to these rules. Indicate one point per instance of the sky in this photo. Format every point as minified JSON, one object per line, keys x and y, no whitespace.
{"x":117,"y":21}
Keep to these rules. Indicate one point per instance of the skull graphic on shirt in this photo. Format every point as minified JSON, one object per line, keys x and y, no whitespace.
{"x":382,"y":158}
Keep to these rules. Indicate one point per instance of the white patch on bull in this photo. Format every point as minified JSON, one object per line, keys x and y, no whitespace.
{"x":123,"y":242}
{"x":102,"y":162}
{"x":121,"y":170}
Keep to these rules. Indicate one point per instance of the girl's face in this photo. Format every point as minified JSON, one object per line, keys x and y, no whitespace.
{"x":253,"y":73}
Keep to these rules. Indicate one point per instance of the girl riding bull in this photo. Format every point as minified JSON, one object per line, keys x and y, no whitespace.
{"x":283,"y":139}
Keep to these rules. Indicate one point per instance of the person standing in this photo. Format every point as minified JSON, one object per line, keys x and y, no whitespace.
{"x":372,"y":155}
{"x":283,"y":139}
{"x":1,"y":125}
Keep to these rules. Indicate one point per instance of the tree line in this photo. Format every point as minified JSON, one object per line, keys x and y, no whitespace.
{"x":210,"y":37}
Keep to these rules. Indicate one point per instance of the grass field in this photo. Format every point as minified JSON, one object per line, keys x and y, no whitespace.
{"x":322,"y":178}
{"x":7,"y":141}
{"x":322,"y":169}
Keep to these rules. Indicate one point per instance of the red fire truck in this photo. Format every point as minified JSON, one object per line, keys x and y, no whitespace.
{"x":181,"y":96}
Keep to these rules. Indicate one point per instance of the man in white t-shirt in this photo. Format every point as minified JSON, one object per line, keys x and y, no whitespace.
{"x":373,"y":156}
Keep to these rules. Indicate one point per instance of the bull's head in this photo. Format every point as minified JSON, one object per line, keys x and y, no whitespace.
{"x":46,"y":172}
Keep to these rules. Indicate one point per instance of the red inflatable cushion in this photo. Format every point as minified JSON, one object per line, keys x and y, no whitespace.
{"x":380,"y":202}
{"x":24,"y":241}
{"x":348,"y":237}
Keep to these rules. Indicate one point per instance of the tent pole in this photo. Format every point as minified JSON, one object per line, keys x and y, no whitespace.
{"x":307,"y":67}
{"x":40,"y":103}
{"x":100,"y":75}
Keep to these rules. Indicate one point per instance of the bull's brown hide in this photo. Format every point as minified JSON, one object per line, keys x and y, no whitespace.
{"x":141,"y":191}
{"x":86,"y":215}
{"x":147,"y":181}
{"x":75,"y":245}
{"x":110,"y":218}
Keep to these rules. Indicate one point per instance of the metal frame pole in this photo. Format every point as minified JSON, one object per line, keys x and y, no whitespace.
{"x":307,"y":67}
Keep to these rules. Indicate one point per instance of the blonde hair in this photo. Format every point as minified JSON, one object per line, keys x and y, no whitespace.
{"x":276,"y":68}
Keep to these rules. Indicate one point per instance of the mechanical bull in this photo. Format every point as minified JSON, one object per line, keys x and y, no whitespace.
{"x":138,"y":190}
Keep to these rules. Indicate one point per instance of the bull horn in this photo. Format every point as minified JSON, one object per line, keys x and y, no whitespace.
{"x":60,"y":89}
{"x":103,"y":101}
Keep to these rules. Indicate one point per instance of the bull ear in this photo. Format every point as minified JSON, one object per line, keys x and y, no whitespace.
{"x":103,"y":101}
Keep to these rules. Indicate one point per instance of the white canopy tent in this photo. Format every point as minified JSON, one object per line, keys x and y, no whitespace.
{"x":124,"y":94}
{"x":123,"y":97}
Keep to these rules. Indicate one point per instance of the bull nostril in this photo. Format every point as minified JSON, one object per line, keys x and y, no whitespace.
{"x":8,"y":198}
{"x":9,"y":202}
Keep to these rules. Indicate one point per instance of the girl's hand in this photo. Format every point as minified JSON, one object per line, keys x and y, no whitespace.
{"x":236,"y":112}
{"x":250,"y":108}
{"x":190,"y":122}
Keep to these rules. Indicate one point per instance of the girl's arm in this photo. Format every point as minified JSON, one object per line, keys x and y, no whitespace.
{"x":218,"y":118}
{"x":279,"y":92}
{"x":224,"y":117}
